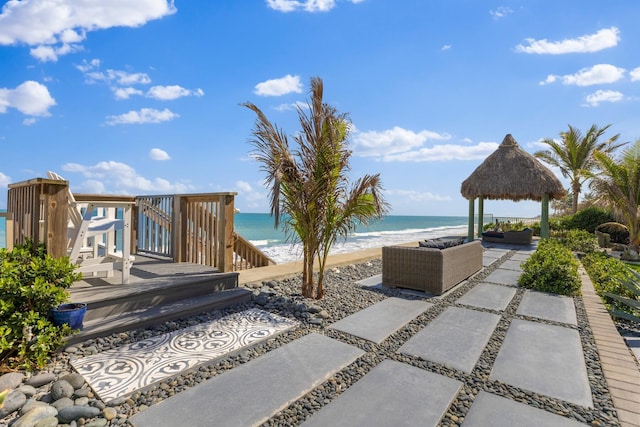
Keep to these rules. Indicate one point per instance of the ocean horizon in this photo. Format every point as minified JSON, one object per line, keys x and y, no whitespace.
{"x":258,"y":228}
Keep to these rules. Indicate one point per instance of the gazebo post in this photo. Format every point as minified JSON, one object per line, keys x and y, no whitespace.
{"x":544,"y":217}
{"x":480,"y":215}
{"x":470,"y":237}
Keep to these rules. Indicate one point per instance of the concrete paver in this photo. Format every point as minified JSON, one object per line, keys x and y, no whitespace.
{"x":558,"y":308}
{"x":250,"y":394}
{"x":504,"y":277}
{"x":512,"y":264}
{"x":377,"y":322}
{"x":545,"y":359}
{"x":491,"y":410}
{"x":489,"y":296}
{"x":410,"y":397}
{"x":456,"y":338}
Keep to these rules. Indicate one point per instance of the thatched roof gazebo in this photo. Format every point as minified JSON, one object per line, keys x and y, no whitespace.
{"x":510,"y":173}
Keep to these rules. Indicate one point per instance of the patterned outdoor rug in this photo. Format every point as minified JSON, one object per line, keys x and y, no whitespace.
{"x":119,"y":372}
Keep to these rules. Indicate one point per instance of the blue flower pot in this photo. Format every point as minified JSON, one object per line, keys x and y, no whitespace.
{"x":72,"y":314}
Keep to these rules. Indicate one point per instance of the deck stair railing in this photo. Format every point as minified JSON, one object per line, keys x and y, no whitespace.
{"x":195,"y":228}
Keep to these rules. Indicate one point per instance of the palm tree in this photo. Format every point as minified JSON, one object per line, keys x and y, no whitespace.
{"x":618,"y":183}
{"x":573,"y":155}
{"x":309,"y":190}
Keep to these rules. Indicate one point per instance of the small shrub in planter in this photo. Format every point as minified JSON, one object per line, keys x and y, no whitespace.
{"x":551,"y":268}
{"x":32,"y":283}
{"x":580,"y":241}
{"x":609,"y":276}
{"x":619,"y":233}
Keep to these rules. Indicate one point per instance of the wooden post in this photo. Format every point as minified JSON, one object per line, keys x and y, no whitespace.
{"x":225,"y":233}
{"x":544,"y":217}
{"x":177,"y":231}
{"x":480,"y":215}
{"x":56,"y":219}
{"x":470,"y":237}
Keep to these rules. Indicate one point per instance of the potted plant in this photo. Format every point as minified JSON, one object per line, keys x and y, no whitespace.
{"x":32,"y":284}
{"x":70,"y":313}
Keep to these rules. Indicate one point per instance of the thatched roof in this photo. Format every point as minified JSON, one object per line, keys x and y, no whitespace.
{"x":512,"y":173}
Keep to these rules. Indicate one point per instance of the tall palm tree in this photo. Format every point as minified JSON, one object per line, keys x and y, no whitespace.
{"x":573,"y":155}
{"x":618,"y":183}
{"x":309,"y":190}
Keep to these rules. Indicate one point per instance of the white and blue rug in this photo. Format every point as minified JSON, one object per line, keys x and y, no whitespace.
{"x":122,"y":371}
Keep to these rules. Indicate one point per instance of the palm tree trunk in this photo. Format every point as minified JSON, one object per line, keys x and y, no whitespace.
{"x":575,"y":187}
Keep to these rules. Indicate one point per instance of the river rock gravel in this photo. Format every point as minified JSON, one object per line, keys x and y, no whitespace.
{"x":58,"y":395}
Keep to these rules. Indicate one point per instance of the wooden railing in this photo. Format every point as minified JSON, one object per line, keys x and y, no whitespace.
{"x":196,"y":228}
{"x":246,"y":255}
{"x":39,"y":209}
{"x":8,"y":230}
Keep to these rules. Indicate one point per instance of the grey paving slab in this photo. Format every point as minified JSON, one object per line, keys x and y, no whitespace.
{"x":488,"y":295}
{"x":512,"y":264}
{"x":504,"y":277}
{"x":371,"y":281}
{"x":377,"y":322}
{"x":490,"y":253}
{"x":456,"y":338}
{"x":250,"y":394}
{"x":558,"y":308}
{"x":545,"y":359}
{"x":491,"y":410}
{"x":521,"y":256}
{"x":392,"y":394}
{"x":488,"y":261}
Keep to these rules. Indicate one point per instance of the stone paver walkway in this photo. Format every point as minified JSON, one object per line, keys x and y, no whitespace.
{"x":543,"y":358}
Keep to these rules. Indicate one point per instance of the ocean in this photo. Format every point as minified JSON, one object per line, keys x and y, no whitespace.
{"x":393,"y":229}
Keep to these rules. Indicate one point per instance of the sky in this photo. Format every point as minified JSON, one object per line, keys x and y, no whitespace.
{"x":143,"y":97}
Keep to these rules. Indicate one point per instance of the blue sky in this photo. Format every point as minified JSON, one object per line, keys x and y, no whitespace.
{"x":142,"y":97}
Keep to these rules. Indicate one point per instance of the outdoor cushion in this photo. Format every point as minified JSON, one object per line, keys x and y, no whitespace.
{"x":441,"y":243}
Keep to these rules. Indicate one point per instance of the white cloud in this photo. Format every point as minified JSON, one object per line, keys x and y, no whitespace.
{"x":278,"y":87}
{"x":55,"y":27}
{"x":254,"y":198}
{"x":603,"y":39}
{"x":125,"y":92}
{"x":598,"y":74}
{"x":29,"y":121}
{"x":417,"y":196}
{"x":445,"y":152}
{"x":292,"y":107}
{"x":392,"y":141}
{"x":167,"y":93}
{"x":599,"y":96}
{"x":501,"y":12}
{"x":4,"y":180}
{"x":30,"y":98}
{"x":119,"y":178}
{"x":635,"y":74}
{"x":304,"y":5}
{"x":446,"y":47}
{"x":145,"y":115}
{"x":158,"y":154}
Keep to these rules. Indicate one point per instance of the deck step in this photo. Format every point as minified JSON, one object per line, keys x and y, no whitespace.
{"x":141,"y":318}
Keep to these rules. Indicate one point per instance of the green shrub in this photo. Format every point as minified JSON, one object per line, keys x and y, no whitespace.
{"x":608,"y":276}
{"x":619,"y":233}
{"x":580,"y":241}
{"x":32,"y":283}
{"x":551,"y":268}
{"x":587,"y":219}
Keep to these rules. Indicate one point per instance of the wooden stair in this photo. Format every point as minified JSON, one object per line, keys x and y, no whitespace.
{"x":162,"y":292}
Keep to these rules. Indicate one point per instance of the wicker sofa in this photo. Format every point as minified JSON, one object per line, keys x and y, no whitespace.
{"x":430,"y":270}
{"x":523,"y":237}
